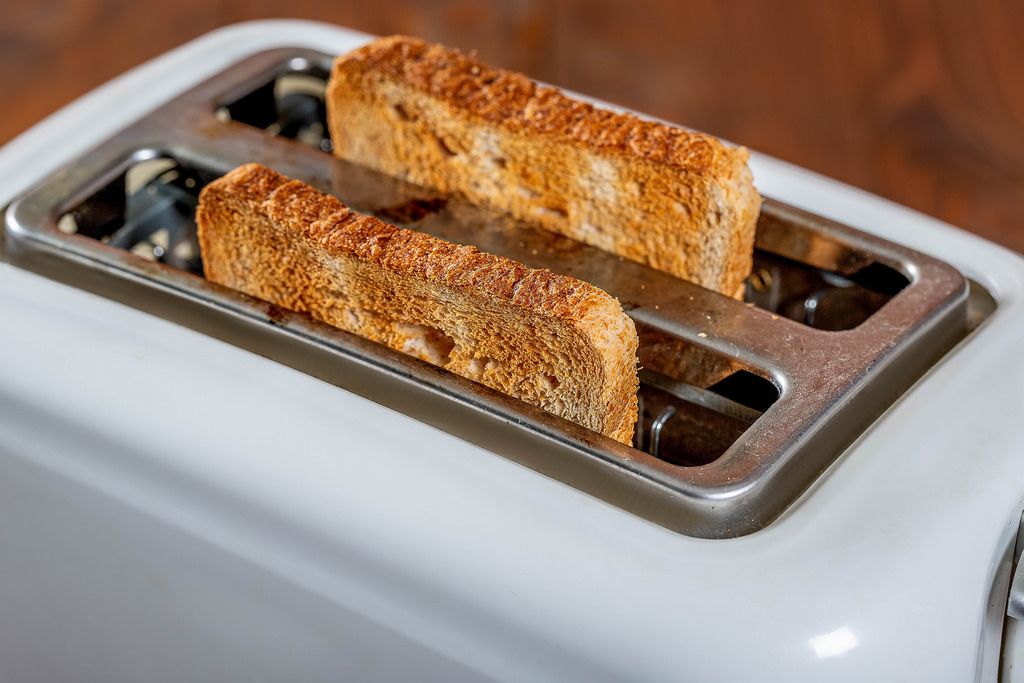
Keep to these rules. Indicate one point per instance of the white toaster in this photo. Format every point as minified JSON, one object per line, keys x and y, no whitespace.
{"x":195,"y":485}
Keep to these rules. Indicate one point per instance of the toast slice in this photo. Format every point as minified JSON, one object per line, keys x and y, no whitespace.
{"x":679,"y":201}
{"x":551,"y":340}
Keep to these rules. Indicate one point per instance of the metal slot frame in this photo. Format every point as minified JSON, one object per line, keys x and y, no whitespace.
{"x":832,"y":384}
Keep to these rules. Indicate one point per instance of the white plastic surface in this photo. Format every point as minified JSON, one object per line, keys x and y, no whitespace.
{"x":173,"y":508}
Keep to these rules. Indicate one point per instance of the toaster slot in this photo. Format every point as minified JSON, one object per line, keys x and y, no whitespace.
{"x":149,"y":210}
{"x":690,"y":426}
{"x":288,"y":103}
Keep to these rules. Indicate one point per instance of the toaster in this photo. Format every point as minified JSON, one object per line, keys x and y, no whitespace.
{"x":198,"y":485}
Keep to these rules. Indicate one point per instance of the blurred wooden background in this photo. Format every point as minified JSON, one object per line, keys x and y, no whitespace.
{"x":921,"y":101}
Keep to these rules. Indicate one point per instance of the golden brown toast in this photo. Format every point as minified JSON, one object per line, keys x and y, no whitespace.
{"x":679,"y":201}
{"x":551,"y":340}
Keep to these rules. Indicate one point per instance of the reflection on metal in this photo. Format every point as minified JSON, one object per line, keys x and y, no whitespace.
{"x":657,"y":426}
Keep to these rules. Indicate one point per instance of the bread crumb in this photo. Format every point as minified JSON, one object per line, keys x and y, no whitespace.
{"x":702,"y":335}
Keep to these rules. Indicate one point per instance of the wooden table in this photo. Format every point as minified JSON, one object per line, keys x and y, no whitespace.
{"x":918,"y":101}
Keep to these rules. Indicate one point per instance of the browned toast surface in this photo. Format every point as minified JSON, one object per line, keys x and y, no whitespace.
{"x":551,"y":340}
{"x":677,"y":200}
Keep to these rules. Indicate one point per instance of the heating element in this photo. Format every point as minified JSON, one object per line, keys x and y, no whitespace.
{"x":743,"y":404}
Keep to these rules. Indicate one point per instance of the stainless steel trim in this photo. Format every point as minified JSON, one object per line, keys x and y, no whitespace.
{"x":832,"y":384}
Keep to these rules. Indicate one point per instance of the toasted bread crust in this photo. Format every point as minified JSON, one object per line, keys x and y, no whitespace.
{"x":677,"y":200}
{"x":513,"y":101}
{"x":284,"y":241}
